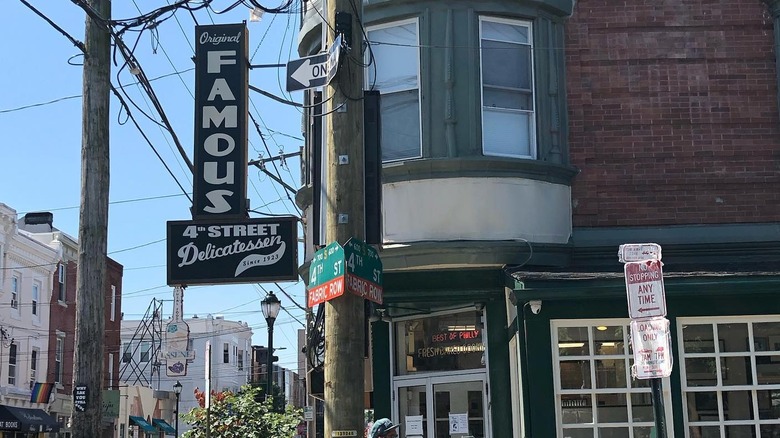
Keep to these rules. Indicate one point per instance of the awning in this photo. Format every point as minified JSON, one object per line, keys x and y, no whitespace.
{"x":163,"y":426}
{"x":27,"y":420}
{"x":143,"y":424}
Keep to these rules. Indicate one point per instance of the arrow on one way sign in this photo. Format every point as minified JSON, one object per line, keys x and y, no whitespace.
{"x":309,"y":72}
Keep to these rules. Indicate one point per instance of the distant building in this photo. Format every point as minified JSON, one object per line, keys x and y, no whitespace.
{"x":61,"y":315}
{"x":142,"y":365}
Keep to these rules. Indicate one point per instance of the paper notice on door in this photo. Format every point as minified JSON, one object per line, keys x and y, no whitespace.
{"x":459,"y":423}
{"x":414,"y":425}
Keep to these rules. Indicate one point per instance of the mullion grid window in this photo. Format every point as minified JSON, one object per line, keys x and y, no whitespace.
{"x":507,"y":84}
{"x":394,"y":69}
{"x":731,"y":387}
{"x":596,"y":396}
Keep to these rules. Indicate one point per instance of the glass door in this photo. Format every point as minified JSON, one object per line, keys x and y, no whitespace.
{"x":443,"y":407}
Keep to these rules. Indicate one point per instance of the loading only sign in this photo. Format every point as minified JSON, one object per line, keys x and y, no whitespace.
{"x":645,"y":288}
{"x":652,"y":348}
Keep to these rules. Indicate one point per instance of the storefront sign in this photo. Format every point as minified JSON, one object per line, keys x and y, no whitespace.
{"x":10,"y":425}
{"x":177,"y":339}
{"x":221,"y":95}
{"x":652,"y":347}
{"x":455,"y":337}
{"x":245,"y":251}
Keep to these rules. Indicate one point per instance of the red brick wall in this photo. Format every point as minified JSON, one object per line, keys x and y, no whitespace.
{"x":673,"y":112}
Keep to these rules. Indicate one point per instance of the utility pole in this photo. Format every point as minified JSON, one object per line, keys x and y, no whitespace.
{"x":344,"y":317}
{"x":93,"y":222}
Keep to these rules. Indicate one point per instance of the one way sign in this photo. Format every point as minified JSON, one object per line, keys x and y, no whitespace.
{"x":313,"y":71}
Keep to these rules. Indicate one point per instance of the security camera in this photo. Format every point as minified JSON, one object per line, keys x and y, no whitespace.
{"x":536,"y":306}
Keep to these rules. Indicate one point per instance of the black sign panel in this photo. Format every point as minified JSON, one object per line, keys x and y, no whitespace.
{"x":241,"y":251}
{"x":80,"y":393}
{"x":221,"y":96}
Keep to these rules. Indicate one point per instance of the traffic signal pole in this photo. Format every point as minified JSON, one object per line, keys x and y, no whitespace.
{"x":344,"y":316}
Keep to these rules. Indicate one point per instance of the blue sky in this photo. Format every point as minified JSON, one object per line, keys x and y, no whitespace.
{"x":40,"y":145}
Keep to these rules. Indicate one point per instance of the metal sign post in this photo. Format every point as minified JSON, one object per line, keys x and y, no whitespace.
{"x":650,"y":338}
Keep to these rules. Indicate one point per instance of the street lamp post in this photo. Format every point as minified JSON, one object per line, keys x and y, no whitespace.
{"x":270,"y":306}
{"x":177,"y":391}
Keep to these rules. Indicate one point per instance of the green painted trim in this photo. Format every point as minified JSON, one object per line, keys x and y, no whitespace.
{"x":498,"y":357}
{"x":382,"y":370}
{"x":478,"y":167}
{"x":676,"y":235}
{"x":472,"y":253}
{"x":612,"y":285}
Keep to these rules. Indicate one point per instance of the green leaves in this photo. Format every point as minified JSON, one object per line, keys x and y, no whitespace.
{"x":241,"y":415}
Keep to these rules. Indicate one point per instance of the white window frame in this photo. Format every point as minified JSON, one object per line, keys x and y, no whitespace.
{"x":368,"y":85}
{"x":532,"y":147}
{"x":36,"y":300}
{"x":593,"y":391}
{"x":58,"y":358}
{"x":113,"y":302}
{"x":16,"y":293}
{"x":225,"y":352}
{"x":719,"y":388}
{"x":13,"y":362}
{"x":62,"y":279}
{"x":127,"y":352}
{"x":110,"y":370}
{"x":35,"y":354}
{"x":146,"y":351}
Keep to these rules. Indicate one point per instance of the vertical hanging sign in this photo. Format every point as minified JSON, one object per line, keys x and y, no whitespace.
{"x":221,"y":96}
{"x":177,"y":337}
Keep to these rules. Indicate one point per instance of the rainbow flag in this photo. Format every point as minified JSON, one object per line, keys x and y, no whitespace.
{"x":41,"y":392}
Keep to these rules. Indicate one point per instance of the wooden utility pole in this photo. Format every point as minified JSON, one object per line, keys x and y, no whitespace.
{"x":93,"y":223}
{"x":344,"y":317}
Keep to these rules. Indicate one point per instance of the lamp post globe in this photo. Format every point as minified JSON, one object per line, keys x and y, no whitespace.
{"x":270,"y":306}
{"x":177,"y":387}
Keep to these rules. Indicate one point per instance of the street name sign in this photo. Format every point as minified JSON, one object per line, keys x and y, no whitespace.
{"x":637,"y":252}
{"x":326,"y":274}
{"x":645,"y":289}
{"x":364,"y":270}
{"x":652,"y":348}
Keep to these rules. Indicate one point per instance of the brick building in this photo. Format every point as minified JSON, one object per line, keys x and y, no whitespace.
{"x":523,"y":141}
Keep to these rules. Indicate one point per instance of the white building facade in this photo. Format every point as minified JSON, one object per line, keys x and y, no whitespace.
{"x":229,"y":363}
{"x":26,"y":275}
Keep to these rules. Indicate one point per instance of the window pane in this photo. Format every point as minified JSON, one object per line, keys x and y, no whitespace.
{"x":576,"y":409}
{"x":506,"y":133}
{"x":505,"y":32}
{"x":702,"y":406}
{"x":740,"y":432}
{"x":768,"y":404}
{"x":613,"y":432}
{"x":737,"y":405}
{"x":642,"y":407}
{"x":502,"y":98}
{"x":701,"y":371}
{"x":705,"y":431}
{"x":734,"y":337}
{"x":573,"y":341}
{"x":400,"y":125}
{"x":611,"y":373}
{"x":575,"y":374}
{"x":396,"y":63}
{"x":506,"y":65}
{"x":697,"y":338}
{"x":608,"y":340}
{"x":643,"y":432}
{"x":578,"y":433}
{"x":768,"y":370}
{"x":736,"y":371}
{"x":612,"y":408}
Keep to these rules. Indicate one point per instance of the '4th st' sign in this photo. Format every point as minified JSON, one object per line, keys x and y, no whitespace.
{"x":645,"y":288}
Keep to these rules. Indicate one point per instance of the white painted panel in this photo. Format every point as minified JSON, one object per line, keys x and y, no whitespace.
{"x":476,"y":209}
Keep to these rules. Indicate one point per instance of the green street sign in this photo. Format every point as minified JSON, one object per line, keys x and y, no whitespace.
{"x":326,"y":274}
{"x":364,"y":270}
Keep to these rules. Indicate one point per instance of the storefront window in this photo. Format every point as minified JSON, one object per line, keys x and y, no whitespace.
{"x":440,"y":343}
{"x":731,"y":376}
{"x":597,"y":396}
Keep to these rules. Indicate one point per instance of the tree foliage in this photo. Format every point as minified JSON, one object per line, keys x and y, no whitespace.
{"x":240,"y":415}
